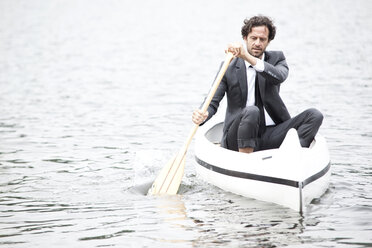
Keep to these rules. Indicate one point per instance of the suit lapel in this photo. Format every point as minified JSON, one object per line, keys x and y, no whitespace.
{"x":262,"y":83}
{"x":241,"y":71}
{"x":261,"y":80}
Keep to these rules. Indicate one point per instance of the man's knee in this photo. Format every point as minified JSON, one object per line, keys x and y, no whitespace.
{"x":251,"y":113}
{"x":315,"y":116}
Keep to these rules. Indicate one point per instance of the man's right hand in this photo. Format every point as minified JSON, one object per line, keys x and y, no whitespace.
{"x":198,"y":117}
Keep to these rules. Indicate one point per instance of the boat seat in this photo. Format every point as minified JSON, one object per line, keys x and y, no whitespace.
{"x":214,"y":135}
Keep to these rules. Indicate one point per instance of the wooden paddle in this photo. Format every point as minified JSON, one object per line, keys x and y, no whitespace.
{"x":169,"y":179}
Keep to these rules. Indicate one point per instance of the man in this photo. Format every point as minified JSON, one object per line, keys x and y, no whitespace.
{"x":256,"y":117}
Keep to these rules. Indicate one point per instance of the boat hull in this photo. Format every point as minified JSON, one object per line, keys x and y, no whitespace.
{"x":290,"y":176}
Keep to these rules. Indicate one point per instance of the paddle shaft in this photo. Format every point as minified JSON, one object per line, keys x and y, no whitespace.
{"x":217,"y":81}
{"x":208,"y":101}
{"x":204,"y":108}
{"x":167,"y":183}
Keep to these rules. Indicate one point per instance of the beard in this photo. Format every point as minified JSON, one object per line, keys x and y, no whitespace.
{"x":256,"y":53}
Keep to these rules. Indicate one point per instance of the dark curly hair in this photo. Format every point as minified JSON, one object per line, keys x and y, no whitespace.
{"x":256,"y":21}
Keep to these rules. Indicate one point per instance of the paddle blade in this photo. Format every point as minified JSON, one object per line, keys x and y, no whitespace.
{"x":169,"y":179}
{"x":176,"y":182}
{"x":160,"y":179}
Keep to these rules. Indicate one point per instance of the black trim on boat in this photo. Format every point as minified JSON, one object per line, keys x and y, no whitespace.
{"x":316,"y":176}
{"x":268,"y":179}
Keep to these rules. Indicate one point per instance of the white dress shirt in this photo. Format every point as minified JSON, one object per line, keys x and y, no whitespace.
{"x":251,"y":83}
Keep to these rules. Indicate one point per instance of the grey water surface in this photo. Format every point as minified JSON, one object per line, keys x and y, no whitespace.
{"x":96,"y":96}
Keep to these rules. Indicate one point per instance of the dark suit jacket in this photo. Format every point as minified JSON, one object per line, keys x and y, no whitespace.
{"x":234,"y":84}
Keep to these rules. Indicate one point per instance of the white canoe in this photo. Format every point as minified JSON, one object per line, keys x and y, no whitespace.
{"x":290,"y":176}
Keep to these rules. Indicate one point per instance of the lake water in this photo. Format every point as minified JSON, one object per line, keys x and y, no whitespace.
{"x":96,"y":96}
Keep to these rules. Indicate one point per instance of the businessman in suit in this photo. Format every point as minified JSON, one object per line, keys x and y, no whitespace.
{"x":256,"y":117}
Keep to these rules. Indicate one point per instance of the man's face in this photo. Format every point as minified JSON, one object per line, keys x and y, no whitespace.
{"x":257,"y":41}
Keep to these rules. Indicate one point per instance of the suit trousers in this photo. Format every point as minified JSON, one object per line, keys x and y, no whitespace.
{"x":244,"y":131}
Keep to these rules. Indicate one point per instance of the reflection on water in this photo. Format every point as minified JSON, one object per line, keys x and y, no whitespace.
{"x":262,"y":226}
{"x":95,"y":99}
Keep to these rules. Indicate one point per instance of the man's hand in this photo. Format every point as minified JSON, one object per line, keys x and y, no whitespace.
{"x":198,"y":117}
{"x":238,"y":50}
